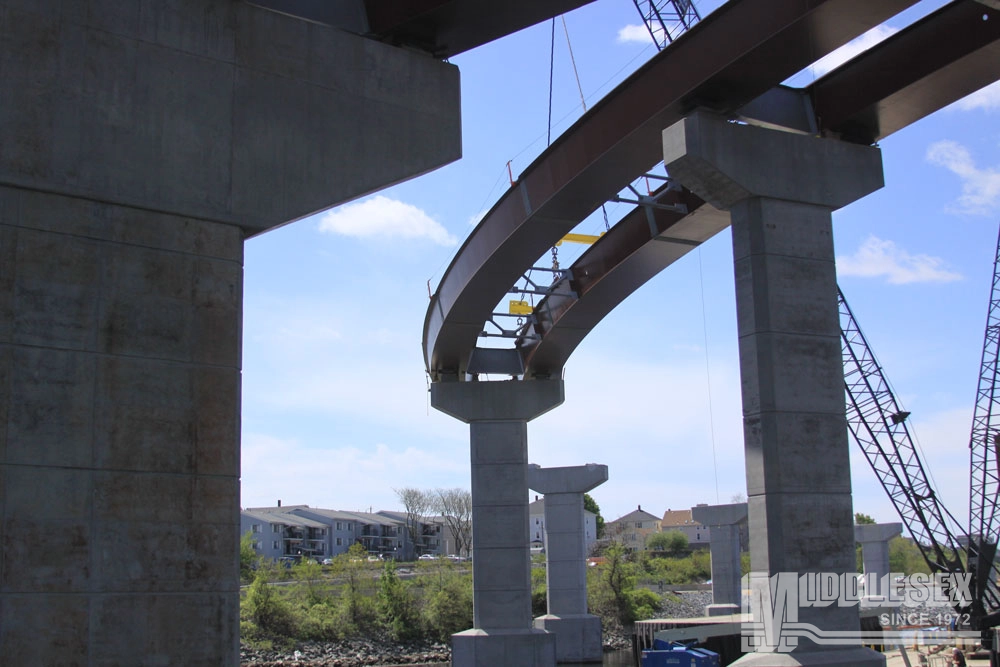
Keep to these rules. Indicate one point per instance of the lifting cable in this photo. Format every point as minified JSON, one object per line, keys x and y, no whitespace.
{"x":583,"y":103}
{"x":708,"y":377}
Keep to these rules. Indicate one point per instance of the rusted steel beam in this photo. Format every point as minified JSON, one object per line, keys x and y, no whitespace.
{"x":942,"y":58}
{"x":728,"y":59}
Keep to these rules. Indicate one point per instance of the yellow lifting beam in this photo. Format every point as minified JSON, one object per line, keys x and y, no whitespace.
{"x":586,"y":239}
{"x":519,"y":307}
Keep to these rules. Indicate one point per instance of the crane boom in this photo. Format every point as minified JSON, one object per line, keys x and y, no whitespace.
{"x":879,"y":427}
{"x":983,"y":444}
{"x":667,"y":19}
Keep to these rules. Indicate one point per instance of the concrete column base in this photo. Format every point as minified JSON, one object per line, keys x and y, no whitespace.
{"x":578,"y":637}
{"x":489,"y":648}
{"x":722,"y":609}
{"x":854,"y":656}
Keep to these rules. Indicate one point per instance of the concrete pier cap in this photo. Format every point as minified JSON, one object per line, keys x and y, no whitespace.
{"x":515,"y":400}
{"x":877,"y":532}
{"x":571,"y":479}
{"x":719,"y":515}
{"x":709,"y":155}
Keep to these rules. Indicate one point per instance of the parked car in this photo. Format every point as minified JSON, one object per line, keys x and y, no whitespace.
{"x":327,"y":561}
{"x":427,"y":557}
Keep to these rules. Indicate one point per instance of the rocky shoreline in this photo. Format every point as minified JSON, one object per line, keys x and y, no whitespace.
{"x":375,"y":652}
{"x":348,"y":653}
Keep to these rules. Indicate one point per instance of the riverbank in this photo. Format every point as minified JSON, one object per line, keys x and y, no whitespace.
{"x":373,"y":652}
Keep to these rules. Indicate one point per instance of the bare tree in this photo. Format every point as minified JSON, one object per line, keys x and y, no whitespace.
{"x":455,"y":507}
{"x":416,"y":503}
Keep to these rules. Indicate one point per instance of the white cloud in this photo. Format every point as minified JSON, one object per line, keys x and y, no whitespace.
{"x":477,"y":218}
{"x":854,"y":47}
{"x":987,"y":99}
{"x":342,"y":477}
{"x":880,"y":258}
{"x":383,"y":217}
{"x":635,"y":33}
{"x":980,"y":187}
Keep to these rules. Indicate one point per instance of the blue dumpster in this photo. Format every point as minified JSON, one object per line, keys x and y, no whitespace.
{"x":676,"y":654}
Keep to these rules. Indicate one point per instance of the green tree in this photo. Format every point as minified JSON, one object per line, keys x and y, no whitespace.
{"x":905,"y":556}
{"x":449,"y":607}
{"x":309,"y":574}
{"x":269,"y":612}
{"x":356,"y":605}
{"x":248,"y":557}
{"x":672,"y":542}
{"x":611,"y":594}
{"x":396,"y":606}
{"x":863,"y":519}
{"x":591,"y":505}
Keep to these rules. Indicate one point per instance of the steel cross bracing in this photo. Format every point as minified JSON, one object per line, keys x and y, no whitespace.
{"x":667,"y":20}
{"x":985,"y":438}
{"x":878,"y":425}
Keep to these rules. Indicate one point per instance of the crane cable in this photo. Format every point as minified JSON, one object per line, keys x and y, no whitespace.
{"x":708,"y":377}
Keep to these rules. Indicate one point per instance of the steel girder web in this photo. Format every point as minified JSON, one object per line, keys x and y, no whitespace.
{"x":879,"y":427}
{"x":984,"y":458}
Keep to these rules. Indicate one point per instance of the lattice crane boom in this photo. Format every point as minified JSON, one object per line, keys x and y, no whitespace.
{"x":984,"y":442}
{"x":879,"y":427}
{"x":667,"y":19}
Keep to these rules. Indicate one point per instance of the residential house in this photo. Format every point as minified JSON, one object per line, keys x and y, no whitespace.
{"x":536,"y":526}
{"x":633,"y":528}
{"x":699,"y":536}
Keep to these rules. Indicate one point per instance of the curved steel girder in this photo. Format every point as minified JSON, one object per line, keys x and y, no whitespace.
{"x":622,"y":261}
{"x":945,"y":56}
{"x":617,"y":266}
{"x":728,"y":59}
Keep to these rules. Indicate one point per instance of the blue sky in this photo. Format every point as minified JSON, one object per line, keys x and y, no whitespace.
{"x":335,"y":403}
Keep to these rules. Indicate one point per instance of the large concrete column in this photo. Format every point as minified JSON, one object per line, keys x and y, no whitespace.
{"x":578,"y":634}
{"x":498,"y":414}
{"x":780,"y":189}
{"x":874,"y":539}
{"x":141,"y":143}
{"x":724,"y":523}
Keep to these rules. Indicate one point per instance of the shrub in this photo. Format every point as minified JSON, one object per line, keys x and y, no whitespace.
{"x":539,"y":594}
{"x":449,"y":608}
{"x":270,"y":613}
{"x":396,"y":606}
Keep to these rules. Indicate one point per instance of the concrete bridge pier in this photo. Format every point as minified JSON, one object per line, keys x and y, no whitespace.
{"x":142,"y":142}
{"x":780,"y":189}
{"x":724,"y":523}
{"x":578,"y":634}
{"x":498,"y":414}
{"x":874,"y":539}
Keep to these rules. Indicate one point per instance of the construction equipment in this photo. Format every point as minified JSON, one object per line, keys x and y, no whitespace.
{"x":879,"y":426}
